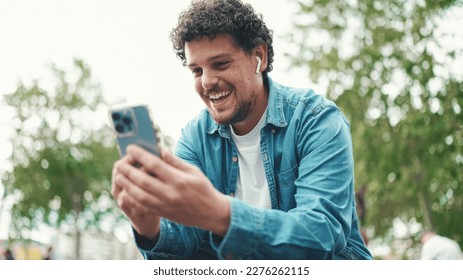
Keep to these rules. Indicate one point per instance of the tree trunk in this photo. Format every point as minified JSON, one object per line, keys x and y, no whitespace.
{"x":427,"y":217}
{"x":77,"y":240}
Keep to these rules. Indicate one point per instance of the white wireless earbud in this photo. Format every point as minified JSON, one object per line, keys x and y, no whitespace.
{"x":259,"y":62}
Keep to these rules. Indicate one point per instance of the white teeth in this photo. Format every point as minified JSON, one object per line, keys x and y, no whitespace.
{"x":219,"y":95}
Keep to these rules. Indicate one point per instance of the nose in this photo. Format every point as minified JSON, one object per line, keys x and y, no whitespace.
{"x":209,"y":79}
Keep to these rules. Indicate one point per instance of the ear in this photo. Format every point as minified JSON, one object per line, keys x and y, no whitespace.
{"x":261,"y":52}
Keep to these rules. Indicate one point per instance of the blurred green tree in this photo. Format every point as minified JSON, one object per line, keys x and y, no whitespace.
{"x":62,"y":156}
{"x":390,"y":68}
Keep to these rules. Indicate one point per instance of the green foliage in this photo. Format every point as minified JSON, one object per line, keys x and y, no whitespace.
{"x":384,"y":64}
{"x":62,"y":158}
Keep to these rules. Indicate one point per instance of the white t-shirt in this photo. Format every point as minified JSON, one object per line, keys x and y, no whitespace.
{"x":251,"y":186}
{"x":441,"y":248}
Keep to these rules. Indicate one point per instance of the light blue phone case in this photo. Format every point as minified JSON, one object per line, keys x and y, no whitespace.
{"x":133,"y":125}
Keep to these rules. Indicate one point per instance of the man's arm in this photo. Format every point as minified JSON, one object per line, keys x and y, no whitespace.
{"x":321,"y":183}
{"x":178,"y":191}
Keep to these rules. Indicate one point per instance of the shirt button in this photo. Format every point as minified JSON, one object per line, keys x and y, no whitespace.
{"x":264,"y":156}
{"x":229,"y":256}
{"x":232,"y":194}
{"x":234,"y":159}
{"x":273,"y":130}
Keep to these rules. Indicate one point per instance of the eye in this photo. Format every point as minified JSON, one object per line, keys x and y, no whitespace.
{"x":196,"y":71}
{"x":221,"y":64}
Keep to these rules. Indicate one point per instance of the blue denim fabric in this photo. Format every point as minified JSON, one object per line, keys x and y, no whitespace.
{"x":307,"y":153}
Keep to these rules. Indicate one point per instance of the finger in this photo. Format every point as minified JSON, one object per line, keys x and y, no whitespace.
{"x":176,"y":162}
{"x":141,"y":179}
{"x":132,"y":209}
{"x":153,"y":164}
{"x":132,"y":161}
{"x":138,"y":196}
{"x":115,"y":188}
{"x":125,"y":159}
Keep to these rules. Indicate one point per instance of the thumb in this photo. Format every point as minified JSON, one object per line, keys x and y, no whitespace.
{"x":175,"y":161}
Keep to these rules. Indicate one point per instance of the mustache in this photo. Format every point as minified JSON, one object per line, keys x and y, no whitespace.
{"x":216,"y":89}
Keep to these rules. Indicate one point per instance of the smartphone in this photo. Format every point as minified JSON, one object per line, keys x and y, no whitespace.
{"x":133,"y":125}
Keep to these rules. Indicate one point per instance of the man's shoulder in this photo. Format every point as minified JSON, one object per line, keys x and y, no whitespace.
{"x":309,"y":102}
{"x":295,"y":96}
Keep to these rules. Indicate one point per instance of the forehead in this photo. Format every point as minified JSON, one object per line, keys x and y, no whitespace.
{"x":207,"y":48}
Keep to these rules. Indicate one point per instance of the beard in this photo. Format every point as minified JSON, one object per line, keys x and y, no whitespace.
{"x":240,"y":113}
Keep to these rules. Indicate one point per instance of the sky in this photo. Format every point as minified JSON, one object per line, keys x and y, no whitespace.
{"x":126,"y":45}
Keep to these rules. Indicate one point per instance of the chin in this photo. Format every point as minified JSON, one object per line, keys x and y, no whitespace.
{"x":222,"y":121}
{"x":226,"y":118}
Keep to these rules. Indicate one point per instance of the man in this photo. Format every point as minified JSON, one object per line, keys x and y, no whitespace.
{"x":266,"y":172}
{"x":8,"y":254}
{"x":436,"y":247}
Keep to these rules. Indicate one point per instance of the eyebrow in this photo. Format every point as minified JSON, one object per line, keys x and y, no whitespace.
{"x":220,"y":55}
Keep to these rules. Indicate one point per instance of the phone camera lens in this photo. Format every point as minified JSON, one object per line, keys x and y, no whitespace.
{"x":120,"y":128}
{"x":116,"y":116}
{"x":127,"y":121}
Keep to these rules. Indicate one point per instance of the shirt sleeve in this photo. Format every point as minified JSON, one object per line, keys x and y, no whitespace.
{"x":176,"y":242}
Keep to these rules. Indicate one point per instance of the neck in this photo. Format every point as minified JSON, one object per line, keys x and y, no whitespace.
{"x":427,"y":236}
{"x":245,"y":126}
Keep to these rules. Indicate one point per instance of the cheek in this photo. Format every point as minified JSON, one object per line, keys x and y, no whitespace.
{"x":198,"y":86}
{"x":199,"y":89}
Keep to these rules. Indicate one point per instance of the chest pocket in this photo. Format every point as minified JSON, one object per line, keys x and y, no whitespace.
{"x":287,"y":188}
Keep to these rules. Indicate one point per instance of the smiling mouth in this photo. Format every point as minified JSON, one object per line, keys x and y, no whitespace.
{"x":218,"y":97}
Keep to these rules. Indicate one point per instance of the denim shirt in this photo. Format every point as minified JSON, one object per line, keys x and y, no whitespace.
{"x":307,"y":154}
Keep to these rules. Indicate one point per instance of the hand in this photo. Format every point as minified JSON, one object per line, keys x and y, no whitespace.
{"x":178,"y":190}
{"x":144,"y":221}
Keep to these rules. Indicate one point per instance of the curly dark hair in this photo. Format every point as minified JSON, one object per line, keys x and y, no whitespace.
{"x":212,"y":17}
